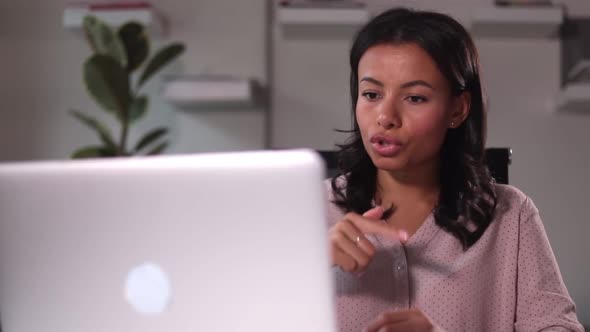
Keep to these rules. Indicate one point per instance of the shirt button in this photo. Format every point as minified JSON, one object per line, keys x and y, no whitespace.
{"x":400,"y":266}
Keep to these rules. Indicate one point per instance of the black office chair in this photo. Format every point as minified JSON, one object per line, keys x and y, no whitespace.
{"x":498,"y":160}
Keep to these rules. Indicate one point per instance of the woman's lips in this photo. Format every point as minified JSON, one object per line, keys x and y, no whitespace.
{"x":386,"y":146}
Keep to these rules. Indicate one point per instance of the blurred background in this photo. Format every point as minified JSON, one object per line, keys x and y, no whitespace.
{"x":283,"y":73}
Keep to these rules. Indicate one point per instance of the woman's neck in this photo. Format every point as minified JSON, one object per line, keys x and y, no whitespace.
{"x":417,"y":187}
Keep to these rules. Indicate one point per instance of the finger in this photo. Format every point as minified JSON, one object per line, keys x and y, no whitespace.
{"x":378,"y":212}
{"x":369,"y":226}
{"x":387,"y":318}
{"x":357,"y":237}
{"x":350,"y":247}
{"x":374,"y":213}
{"x":343,"y":260}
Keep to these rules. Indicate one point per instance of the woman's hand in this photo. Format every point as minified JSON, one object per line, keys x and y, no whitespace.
{"x":350,"y":249}
{"x":412,"y":320}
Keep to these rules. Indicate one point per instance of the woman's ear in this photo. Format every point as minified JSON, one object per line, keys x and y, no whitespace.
{"x":461,"y":106}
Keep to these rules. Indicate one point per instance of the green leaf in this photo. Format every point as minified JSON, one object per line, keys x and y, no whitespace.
{"x":103,"y":132}
{"x":136,"y":43}
{"x":158,"y":149}
{"x":161,"y":59}
{"x":108,"y":83}
{"x":104,"y":40}
{"x":138,"y":108}
{"x":150,"y":137}
{"x":93,"y":152}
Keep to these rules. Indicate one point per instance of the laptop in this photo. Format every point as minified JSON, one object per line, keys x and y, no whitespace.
{"x":210,"y":242}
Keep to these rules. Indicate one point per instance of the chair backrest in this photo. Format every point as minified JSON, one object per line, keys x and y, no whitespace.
{"x":497,"y":159}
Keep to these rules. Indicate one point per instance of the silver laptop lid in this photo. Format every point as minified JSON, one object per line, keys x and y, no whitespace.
{"x":212,"y":242}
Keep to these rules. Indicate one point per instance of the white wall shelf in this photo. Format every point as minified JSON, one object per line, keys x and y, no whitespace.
{"x":208,"y":91}
{"x":115,"y":15}
{"x":535,"y":22}
{"x":320,"y":16}
{"x":574,"y":97}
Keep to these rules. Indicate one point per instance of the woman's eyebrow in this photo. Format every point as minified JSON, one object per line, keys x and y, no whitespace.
{"x":403,"y":86}
{"x":416,"y":83}
{"x":372,"y":80}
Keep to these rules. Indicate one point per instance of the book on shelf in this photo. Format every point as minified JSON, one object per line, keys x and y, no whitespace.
{"x":110,"y":6}
{"x":524,"y":3}
{"x":111,"y":12}
{"x":328,"y":4}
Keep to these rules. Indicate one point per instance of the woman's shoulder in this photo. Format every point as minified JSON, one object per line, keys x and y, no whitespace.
{"x":509,"y":193}
{"x":512,"y":201}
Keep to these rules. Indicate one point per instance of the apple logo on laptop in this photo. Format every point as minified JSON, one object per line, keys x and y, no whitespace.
{"x":147,"y":289}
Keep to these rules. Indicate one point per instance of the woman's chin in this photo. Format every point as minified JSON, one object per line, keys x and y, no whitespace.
{"x":389,"y":164}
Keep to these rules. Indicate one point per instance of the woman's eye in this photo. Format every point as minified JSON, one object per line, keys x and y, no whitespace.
{"x":416,"y":99}
{"x":371,"y":95}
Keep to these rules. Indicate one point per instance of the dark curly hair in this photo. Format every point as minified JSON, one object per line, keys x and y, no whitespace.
{"x":467,"y":198}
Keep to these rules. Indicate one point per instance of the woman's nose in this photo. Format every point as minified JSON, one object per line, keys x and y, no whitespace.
{"x":388,"y":118}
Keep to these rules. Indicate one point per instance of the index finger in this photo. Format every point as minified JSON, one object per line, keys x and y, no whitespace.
{"x":374,"y":213}
{"x":371,"y":226}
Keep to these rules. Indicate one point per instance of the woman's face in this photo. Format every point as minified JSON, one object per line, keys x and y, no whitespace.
{"x":404,"y":107}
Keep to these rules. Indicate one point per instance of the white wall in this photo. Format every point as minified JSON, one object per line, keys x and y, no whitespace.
{"x":221,"y":41}
{"x":40,"y":64}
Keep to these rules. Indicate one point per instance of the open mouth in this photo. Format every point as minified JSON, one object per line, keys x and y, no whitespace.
{"x":382,"y":142}
{"x":385,"y":146}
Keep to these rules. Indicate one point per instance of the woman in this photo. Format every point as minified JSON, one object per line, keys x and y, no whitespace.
{"x":422,"y":236}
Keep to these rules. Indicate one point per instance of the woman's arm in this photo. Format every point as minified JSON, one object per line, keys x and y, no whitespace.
{"x":543,"y":302}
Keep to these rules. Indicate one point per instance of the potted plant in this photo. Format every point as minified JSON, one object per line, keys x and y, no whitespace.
{"x":114,"y":74}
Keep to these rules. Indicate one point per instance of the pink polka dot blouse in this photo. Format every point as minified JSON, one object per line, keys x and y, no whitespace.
{"x":507,"y":281}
